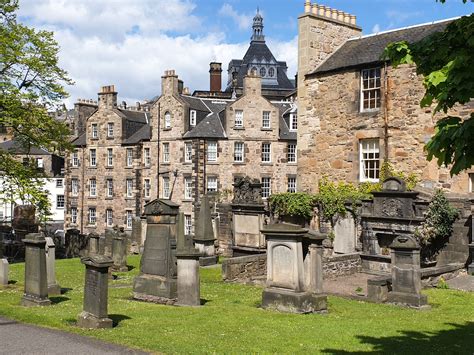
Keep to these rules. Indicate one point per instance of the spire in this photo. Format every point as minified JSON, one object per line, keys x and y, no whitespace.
{"x":258,"y":27}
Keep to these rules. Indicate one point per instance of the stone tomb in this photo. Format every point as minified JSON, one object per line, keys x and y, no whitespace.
{"x":406,"y":274}
{"x":36,"y":280}
{"x":204,"y":236}
{"x":157,"y":281}
{"x":119,"y":251}
{"x":294,"y":270}
{"x":53,"y":286}
{"x":94,"y":314}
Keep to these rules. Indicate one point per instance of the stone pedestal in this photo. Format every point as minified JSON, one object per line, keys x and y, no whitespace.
{"x":406,"y":274}
{"x":94,"y":244}
{"x":119,"y":253}
{"x":36,"y":279}
{"x":4,"y":267}
{"x":53,"y":286}
{"x":288,"y":288}
{"x":157,"y":281}
{"x":204,"y":234}
{"x":94,"y":314}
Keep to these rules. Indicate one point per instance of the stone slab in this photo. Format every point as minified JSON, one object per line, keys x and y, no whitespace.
{"x":407,"y":299}
{"x":463,"y":283}
{"x":208,"y":260}
{"x":189,"y":291}
{"x":4,"y":268}
{"x":155,"y":287}
{"x":30,"y":301}
{"x":293,"y":302}
{"x":87,"y":320}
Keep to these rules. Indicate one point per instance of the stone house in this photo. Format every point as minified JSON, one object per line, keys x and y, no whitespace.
{"x":355,"y":110}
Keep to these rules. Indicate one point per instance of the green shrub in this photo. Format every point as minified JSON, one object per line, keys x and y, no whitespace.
{"x":298,"y":204}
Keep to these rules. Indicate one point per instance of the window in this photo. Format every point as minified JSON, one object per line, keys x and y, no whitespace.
{"x":166,"y":152}
{"x":239,"y":118}
{"x":110,"y":188}
{"x":254,"y":70}
{"x":167,"y":119}
{"x":211,"y":151}
{"x":370,"y":89}
{"x":73,"y":215}
{"x":188,"y":188}
{"x":92,"y":216}
{"x":39,"y":163}
{"x":128,"y":219}
{"x":239,"y":152}
{"x":74,"y":187}
{"x":271,"y":72}
{"x":129,"y":187}
{"x":166,"y":187}
{"x":192,"y":118}
{"x":369,"y":160}
{"x":129,"y":157}
{"x":60,"y":201}
{"x":291,"y":153}
{"x":188,"y":152}
{"x":188,"y":224}
{"x":471,"y":182}
{"x":266,"y":153}
{"x":110,"y":157}
{"x":266,"y":119}
{"x":293,"y":121}
{"x":291,"y":184}
{"x":95,"y":131}
{"x":109,"y":217}
{"x":93,"y":157}
{"x":266,"y":187}
{"x":59,"y":183}
{"x":147,"y":188}
{"x":110,"y":129}
{"x":146,"y":156}
{"x":75,"y":159}
{"x":263,"y":71}
{"x":211,"y":184}
{"x":93,"y":187}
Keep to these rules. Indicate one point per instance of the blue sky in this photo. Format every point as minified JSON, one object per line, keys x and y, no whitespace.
{"x":130,"y":43}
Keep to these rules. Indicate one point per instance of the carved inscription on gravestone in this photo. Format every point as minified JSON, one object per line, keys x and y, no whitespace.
{"x":92,"y":292}
{"x":156,"y":251}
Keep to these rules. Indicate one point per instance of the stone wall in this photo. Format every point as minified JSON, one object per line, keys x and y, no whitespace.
{"x":341,"y":265}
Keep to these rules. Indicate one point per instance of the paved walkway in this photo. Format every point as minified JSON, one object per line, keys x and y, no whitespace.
{"x":18,"y":338}
{"x":463,"y":283}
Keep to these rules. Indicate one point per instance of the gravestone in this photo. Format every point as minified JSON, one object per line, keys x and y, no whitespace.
{"x":291,"y":286}
{"x":53,"y":286}
{"x":345,"y":234}
{"x":36,"y":279}
{"x":188,"y":269}
{"x":4,"y":268}
{"x":24,"y":221}
{"x":94,"y":314}
{"x":157,"y":281}
{"x":94,"y":244}
{"x":119,"y":251}
{"x":204,"y":234}
{"x":109,"y":235}
{"x":470,"y":268}
{"x":406,"y":274}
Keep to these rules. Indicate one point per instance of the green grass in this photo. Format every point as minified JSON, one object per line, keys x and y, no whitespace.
{"x":231,"y":322}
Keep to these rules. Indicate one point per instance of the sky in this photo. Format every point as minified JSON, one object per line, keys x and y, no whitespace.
{"x":130,"y":43}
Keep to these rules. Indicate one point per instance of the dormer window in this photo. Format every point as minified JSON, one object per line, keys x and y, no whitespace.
{"x":95,"y":131}
{"x":167,"y":119}
{"x":263,"y":72}
{"x":192,"y":118}
{"x":293,"y":121}
{"x":370,"y":89}
{"x":239,"y":118}
{"x":271,"y":72}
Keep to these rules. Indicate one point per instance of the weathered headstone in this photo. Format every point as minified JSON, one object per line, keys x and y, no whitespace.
{"x":345,"y":234}
{"x":109,"y":237}
{"x":204,"y":235}
{"x":4,"y":268}
{"x":24,"y":221}
{"x":288,"y":289}
{"x":188,"y":269}
{"x":119,"y":252}
{"x":36,"y":279}
{"x":406,"y":274}
{"x":470,"y":268}
{"x":53,"y":286}
{"x":94,"y":314}
{"x":157,"y":281}
{"x":94,"y":244}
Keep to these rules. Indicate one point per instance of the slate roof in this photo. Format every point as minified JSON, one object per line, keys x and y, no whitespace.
{"x":210,"y":117}
{"x":285,"y":133}
{"x":13,"y":146}
{"x":143,"y":134}
{"x":368,"y":49}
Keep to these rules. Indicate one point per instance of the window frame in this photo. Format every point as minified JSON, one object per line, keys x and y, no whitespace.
{"x":166,"y":187}
{"x":109,"y":218}
{"x":266,"y":190}
{"x":93,"y":187}
{"x":291,"y":155}
{"x":58,"y":200}
{"x":109,"y":187}
{"x":93,"y":157}
{"x":188,"y":152}
{"x":110,"y":157}
{"x":266,"y":155}
{"x":166,"y":152}
{"x":129,"y":157}
{"x":129,"y":188}
{"x":376,"y":89}
{"x":110,"y":129}
{"x":293,"y":121}
{"x":73,"y":215}
{"x":188,"y":224}
{"x":167,"y":120}
{"x":188,"y":188}
{"x":74,"y":187}
{"x":215,"y":184}
{"x":192,"y":118}
{"x":362,"y":151}
{"x":212,"y":155}
{"x":470,"y":177}
{"x":147,"y":157}
{"x":291,"y":184}
{"x":266,"y":120}
{"x":128,"y":219}
{"x":75,"y":159}
{"x":239,"y":119}
{"x":147,"y":187}
{"x":94,"y":131}
{"x":242,"y":145}
{"x":92,"y":221}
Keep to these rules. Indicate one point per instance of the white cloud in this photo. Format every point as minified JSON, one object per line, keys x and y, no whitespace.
{"x":376,"y":28}
{"x":243,"y":21}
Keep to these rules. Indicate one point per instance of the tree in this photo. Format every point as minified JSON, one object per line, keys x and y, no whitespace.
{"x":446,"y":61}
{"x":31,"y":84}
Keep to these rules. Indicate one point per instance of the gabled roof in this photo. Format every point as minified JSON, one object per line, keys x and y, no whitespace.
{"x":368,"y":49}
{"x":15,"y":147}
{"x":209,"y":127}
{"x":143,"y":134}
{"x":80,"y":141}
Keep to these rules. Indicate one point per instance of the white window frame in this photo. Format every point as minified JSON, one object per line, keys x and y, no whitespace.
{"x":166,"y":152}
{"x":166,"y":186}
{"x":291,"y":152}
{"x":471,"y":182}
{"x":75,"y":159}
{"x":188,"y":188}
{"x":94,"y":131}
{"x":93,"y":187}
{"x":73,"y":215}
{"x":128,"y":219}
{"x":93,"y":157}
{"x":293,"y":121}
{"x":192,"y":118}
{"x":129,"y":187}
{"x":109,"y":187}
{"x":239,"y":119}
{"x":370,"y":89}
{"x":188,"y":224}
{"x":110,"y":157}
{"x":147,"y":188}
{"x":60,"y":198}
{"x":109,"y":217}
{"x":146,"y":157}
{"x":59,"y":183}
{"x":266,"y":122}
{"x":74,"y":187}
{"x":39,"y":163}
{"x":239,"y":154}
{"x":370,"y":147}
{"x":212,"y":151}
{"x":211,"y":184}
{"x":266,"y":152}
{"x":92,"y":216}
{"x":266,"y":187}
{"x":167,"y":119}
{"x":188,"y":152}
{"x":110,"y":129}
{"x":291,"y":187}
{"x":129,"y":157}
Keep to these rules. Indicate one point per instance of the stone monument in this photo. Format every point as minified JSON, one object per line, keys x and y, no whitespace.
{"x":94,"y":314}
{"x":36,"y":279}
{"x":204,"y":234}
{"x":294,"y":270}
{"x":53,"y":286}
{"x":157,"y":281}
{"x":94,"y":244}
{"x":188,"y":269}
{"x":24,"y":221}
{"x":470,"y":268}
{"x":119,"y":251}
{"x":406,"y":274}
{"x":4,"y":268}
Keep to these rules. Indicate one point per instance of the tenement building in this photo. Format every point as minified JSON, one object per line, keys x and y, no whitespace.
{"x":356,"y":110}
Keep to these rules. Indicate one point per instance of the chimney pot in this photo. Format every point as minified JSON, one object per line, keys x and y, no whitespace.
{"x":307,"y":6}
{"x":215,"y":76}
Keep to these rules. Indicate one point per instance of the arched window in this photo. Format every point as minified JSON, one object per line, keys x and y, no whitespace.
{"x":167,"y":119}
{"x":263,"y":71}
{"x":254,"y":70}
{"x":271,"y":72}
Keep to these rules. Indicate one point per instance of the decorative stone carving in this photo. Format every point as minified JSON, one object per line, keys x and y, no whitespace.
{"x":247,"y":191}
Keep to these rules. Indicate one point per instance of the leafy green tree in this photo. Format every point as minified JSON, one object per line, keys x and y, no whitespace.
{"x":446,"y":61}
{"x":31,"y":84}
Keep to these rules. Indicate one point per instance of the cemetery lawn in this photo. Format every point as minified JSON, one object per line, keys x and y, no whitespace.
{"x":231,"y":321}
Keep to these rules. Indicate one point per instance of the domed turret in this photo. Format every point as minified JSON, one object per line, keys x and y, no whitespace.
{"x":258,"y":27}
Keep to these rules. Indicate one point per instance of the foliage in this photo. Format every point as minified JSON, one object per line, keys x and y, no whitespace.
{"x":442,"y":284}
{"x":31,"y":83}
{"x":299,"y":204}
{"x":445,"y":59}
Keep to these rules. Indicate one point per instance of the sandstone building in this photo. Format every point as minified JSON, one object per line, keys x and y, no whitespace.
{"x":355,"y":110}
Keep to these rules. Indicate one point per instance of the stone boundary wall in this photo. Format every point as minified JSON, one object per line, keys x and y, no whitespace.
{"x":341,"y":265}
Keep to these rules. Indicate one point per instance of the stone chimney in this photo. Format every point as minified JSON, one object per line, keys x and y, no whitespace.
{"x":215,"y":76}
{"x":252,"y":84}
{"x":107,"y":97}
{"x":170,"y":84}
